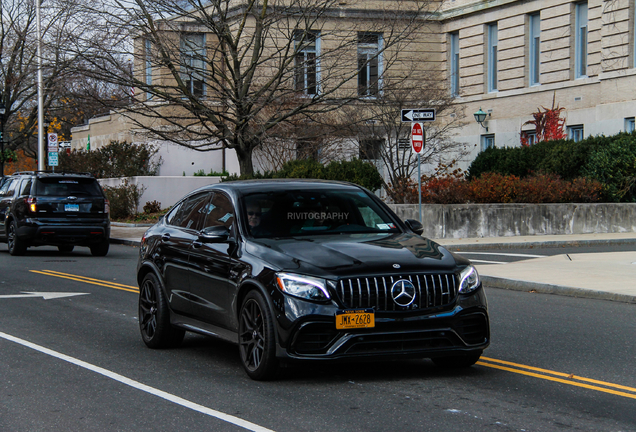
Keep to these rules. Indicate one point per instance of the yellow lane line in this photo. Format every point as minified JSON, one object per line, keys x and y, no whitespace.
{"x":88,"y":280}
{"x":566,"y":375}
{"x":563,"y":381}
{"x":55,"y":273}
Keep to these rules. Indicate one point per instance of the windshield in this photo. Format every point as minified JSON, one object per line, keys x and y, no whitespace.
{"x":67,"y":187}
{"x":298,"y":213}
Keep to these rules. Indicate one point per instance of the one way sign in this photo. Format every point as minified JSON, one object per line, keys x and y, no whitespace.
{"x":418,"y":115}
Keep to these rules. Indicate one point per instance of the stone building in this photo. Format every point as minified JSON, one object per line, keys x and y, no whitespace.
{"x":511,"y":57}
{"x":506,"y":57}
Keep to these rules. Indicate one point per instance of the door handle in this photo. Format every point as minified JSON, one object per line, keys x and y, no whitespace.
{"x":197,"y":244}
{"x":165,"y":237}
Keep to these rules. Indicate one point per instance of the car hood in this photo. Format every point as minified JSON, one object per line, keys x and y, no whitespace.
{"x":349,"y":254}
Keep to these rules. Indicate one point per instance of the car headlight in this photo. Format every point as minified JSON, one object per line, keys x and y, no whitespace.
{"x":469,"y":280}
{"x":305,"y":287}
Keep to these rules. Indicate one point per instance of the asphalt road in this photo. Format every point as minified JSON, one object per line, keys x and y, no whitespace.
{"x":78,"y":364}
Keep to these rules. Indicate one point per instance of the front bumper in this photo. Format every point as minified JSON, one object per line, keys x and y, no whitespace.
{"x":461,"y":327}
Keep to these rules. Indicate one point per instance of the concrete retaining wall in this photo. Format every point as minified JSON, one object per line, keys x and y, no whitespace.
{"x":501,"y":220}
{"x":167,"y":190}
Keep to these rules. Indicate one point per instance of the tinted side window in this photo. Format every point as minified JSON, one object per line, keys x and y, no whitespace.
{"x":170,"y":217}
{"x":11,"y":187}
{"x":25,"y":188}
{"x":5,"y":186}
{"x":192,"y":212}
{"x":220,"y":211}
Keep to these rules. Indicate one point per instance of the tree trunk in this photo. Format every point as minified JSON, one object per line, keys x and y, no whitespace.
{"x":244,"y":156}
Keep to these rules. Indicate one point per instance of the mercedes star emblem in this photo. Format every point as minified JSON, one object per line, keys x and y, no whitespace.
{"x":403,"y":292}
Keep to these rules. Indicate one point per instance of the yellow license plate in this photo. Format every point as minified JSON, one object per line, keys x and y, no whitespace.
{"x":355,"y":319}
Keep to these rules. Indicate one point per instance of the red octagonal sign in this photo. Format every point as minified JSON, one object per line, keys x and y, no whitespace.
{"x":417,"y":137}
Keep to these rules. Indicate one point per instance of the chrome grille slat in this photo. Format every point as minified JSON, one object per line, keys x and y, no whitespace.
{"x":431,"y":290}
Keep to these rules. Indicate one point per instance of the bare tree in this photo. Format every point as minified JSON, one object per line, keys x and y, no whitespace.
{"x":382,"y":136}
{"x":63,"y":24}
{"x":236,"y":74}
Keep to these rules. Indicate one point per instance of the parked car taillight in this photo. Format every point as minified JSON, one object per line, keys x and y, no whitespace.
{"x":106,"y":206}
{"x":31,"y":204}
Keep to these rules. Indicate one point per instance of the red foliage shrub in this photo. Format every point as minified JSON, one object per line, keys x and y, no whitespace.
{"x":444,"y":190}
{"x":498,"y":188}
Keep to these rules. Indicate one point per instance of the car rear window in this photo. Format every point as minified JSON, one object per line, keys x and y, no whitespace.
{"x":68,"y":187}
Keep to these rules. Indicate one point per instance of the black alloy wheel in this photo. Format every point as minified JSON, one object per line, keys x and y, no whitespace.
{"x":256,"y":338}
{"x":154,"y":316}
{"x":458,"y":361}
{"x":14,"y":244}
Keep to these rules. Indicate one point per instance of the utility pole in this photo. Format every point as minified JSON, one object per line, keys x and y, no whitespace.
{"x":40,"y":91}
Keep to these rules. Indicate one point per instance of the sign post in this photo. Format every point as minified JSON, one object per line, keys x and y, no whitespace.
{"x":417,"y":143}
{"x":53,"y":149}
{"x":418,"y":138}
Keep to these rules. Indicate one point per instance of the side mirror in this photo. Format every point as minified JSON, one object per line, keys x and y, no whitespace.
{"x":414,"y":226}
{"x":214,"y":234}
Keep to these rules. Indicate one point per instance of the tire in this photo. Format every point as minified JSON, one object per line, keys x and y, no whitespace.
{"x":154,"y":316}
{"x":257,"y":343}
{"x":14,"y":244}
{"x":66,"y":248}
{"x":458,"y":361}
{"x":100,"y":249}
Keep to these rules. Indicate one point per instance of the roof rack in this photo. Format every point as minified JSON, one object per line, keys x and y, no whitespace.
{"x":52,"y":172}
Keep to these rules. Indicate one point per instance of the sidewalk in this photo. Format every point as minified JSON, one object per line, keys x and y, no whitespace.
{"x":604,"y":276}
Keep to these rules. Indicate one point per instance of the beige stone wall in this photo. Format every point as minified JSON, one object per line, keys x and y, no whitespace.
{"x":600,"y":102}
{"x":610,"y":41}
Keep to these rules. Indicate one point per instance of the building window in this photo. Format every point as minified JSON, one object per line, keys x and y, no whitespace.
{"x":487,"y":141}
{"x":454,"y":64}
{"x":580,"y":41}
{"x":630,"y":126}
{"x":307,"y":44}
{"x":369,"y":64}
{"x":148,"y":66}
{"x":529,"y":137}
{"x":370,"y":149}
{"x":493,"y":41}
{"x":575,"y":133}
{"x":535,"y":48}
{"x":193,"y":57}
{"x":307,"y":149}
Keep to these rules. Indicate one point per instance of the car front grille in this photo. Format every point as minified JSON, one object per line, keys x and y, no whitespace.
{"x":431,"y":290}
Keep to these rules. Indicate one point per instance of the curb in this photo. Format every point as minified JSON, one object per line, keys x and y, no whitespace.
{"x":125,"y":242}
{"x":130,"y":225}
{"x":560,"y":290}
{"x":532,"y":245}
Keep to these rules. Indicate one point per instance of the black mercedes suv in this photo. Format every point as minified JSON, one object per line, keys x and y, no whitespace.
{"x":60,"y":209}
{"x":294,"y":270}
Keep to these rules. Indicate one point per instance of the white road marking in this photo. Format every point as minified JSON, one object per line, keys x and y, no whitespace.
{"x":44,"y":295}
{"x":139,"y":386}
{"x":503,"y":254}
{"x":487,"y":262}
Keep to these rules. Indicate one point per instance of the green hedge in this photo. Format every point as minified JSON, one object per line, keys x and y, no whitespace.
{"x":610,"y":160}
{"x":116,"y":159}
{"x":355,"y":171}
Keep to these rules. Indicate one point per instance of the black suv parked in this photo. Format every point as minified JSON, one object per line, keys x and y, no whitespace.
{"x":60,"y":209}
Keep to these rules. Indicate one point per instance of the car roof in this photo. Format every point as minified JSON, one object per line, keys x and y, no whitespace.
{"x":272,"y":185}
